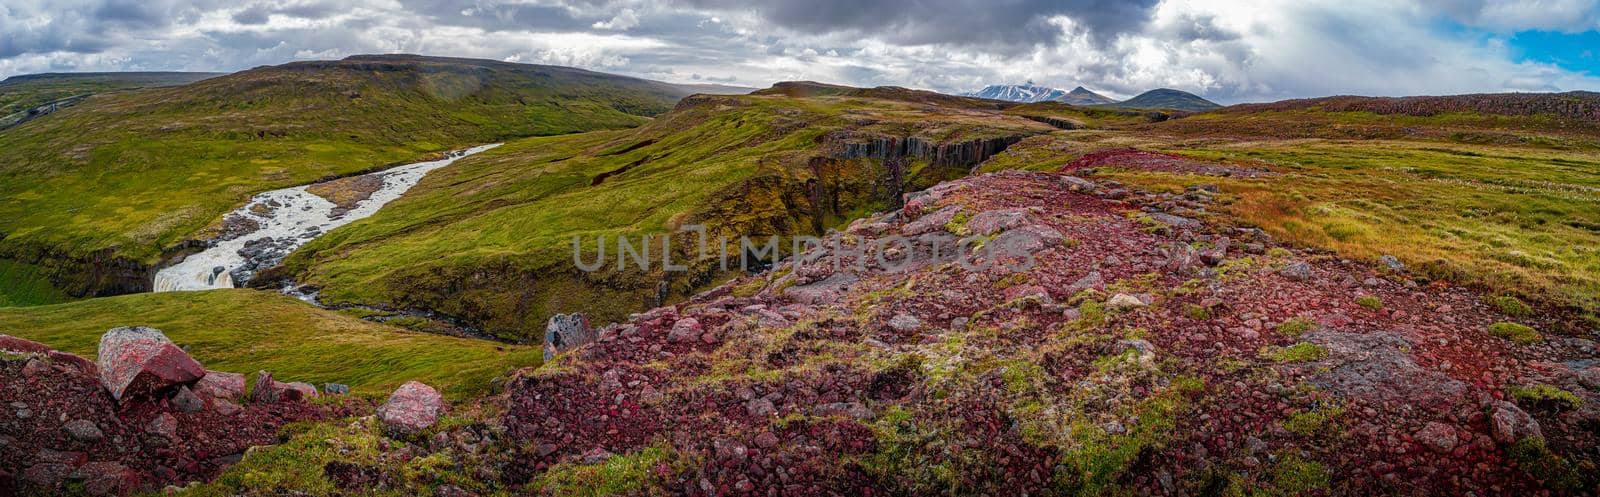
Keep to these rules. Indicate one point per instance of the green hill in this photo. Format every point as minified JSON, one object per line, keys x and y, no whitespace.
{"x":19,"y":94}
{"x":1165,"y":98}
{"x":93,"y":194}
{"x":488,"y":240}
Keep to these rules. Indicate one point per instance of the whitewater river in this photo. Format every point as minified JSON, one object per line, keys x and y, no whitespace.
{"x":286,"y":219}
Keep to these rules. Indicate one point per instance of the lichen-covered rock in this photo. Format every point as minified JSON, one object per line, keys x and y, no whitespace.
{"x":269,"y":390}
{"x":411,"y":408}
{"x":220,"y":385}
{"x":139,"y":360}
{"x":566,"y":332}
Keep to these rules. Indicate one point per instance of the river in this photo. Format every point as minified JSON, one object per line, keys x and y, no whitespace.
{"x":273,"y":224}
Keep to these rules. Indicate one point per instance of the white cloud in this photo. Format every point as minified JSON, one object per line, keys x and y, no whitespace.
{"x":1229,"y":50}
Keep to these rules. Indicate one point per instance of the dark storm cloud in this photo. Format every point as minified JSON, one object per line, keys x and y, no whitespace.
{"x":497,"y":16}
{"x":1014,"y":24}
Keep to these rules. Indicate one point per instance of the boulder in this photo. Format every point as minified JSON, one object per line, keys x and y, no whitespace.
{"x":335,"y":389}
{"x":565,"y":332}
{"x":22,"y":346}
{"x":411,"y":408}
{"x":220,"y":385}
{"x":140,"y":360}
{"x":268,"y":390}
{"x":990,"y":222}
{"x":164,"y":426}
{"x":306,"y":390}
{"x":1510,"y":423}
{"x":932,"y":222}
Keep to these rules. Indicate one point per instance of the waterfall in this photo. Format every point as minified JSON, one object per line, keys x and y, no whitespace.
{"x":278,"y":222}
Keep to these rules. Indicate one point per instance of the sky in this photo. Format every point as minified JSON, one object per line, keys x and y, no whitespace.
{"x":1226,"y":50}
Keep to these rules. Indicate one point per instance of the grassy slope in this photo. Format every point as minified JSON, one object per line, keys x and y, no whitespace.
{"x":1505,"y":201}
{"x":247,"y":330}
{"x":26,"y":284}
{"x":139,"y":171}
{"x":20,"y":93}
{"x":489,"y":238}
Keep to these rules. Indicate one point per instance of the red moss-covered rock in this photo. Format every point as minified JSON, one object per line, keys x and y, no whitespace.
{"x":411,"y":408}
{"x":137,"y":360}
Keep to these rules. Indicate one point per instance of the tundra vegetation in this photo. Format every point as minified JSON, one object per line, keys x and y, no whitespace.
{"x":1212,"y":311}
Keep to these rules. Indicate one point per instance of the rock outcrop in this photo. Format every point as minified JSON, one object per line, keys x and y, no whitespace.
{"x":63,"y":432}
{"x":138,"y":360}
{"x":957,"y":154}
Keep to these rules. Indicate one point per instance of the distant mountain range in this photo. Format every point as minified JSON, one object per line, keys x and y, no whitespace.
{"x":1161,"y":98}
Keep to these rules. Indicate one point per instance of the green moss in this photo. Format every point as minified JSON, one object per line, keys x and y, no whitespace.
{"x":1517,"y":333}
{"x":1279,"y":253}
{"x":1196,"y":312}
{"x":1091,"y":315}
{"x":1299,"y":352}
{"x":619,"y":475}
{"x":958,"y":224}
{"x":1310,"y":423}
{"x":1533,"y":457}
{"x":1370,"y":302}
{"x":299,"y":463}
{"x":1291,"y":476}
{"x":1511,"y":306}
{"x":1297,"y":326}
{"x":1546,"y":395}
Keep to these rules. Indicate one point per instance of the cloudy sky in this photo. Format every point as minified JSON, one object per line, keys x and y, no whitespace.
{"x":1227,"y":50}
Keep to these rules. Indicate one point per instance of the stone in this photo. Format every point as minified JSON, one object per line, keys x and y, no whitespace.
{"x":766,"y":440}
{"x":1296,"y":271}
{"x":220,"y":385}
{"x":187,"y":402}
{"x":1438,"y":437}
{"x":1375,"y":366}
{"x":844,"y":409}
{"x":1091,"y":281}
{"x":1391,"y":263}
{"x":411,"y":408}
{"x":335,"y":389}
{"x":685,"y":330}
{"x":1182,"y":259}
{"x":565,"y":332}
{"x":22,"y":346}
{"x":1078,"y":184}
{"x":83,"y":430}
{"x":1510,"y":423}
{"x":101,"y":478}
{"x":1173,"y":221}
{"x":164,"y":425}
{"x":990,"y":222}
{"x":47,"y":475}
{"x":269,"y":390}
{"x":225,"y":407}
{"x":139,"y":360}
{"x":759,"y":408}
{"x":1124,"y":302}
{"x":307,"y":390}
{"x":905,"y":323}
{"x":932,"y":222}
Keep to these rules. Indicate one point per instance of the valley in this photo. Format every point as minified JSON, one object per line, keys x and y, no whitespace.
{"x":1338,"y":296}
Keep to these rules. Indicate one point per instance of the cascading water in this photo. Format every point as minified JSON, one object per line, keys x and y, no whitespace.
{"x":279,"y":221}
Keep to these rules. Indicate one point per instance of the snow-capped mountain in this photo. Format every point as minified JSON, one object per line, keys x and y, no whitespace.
{"x":1027,"y":92}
